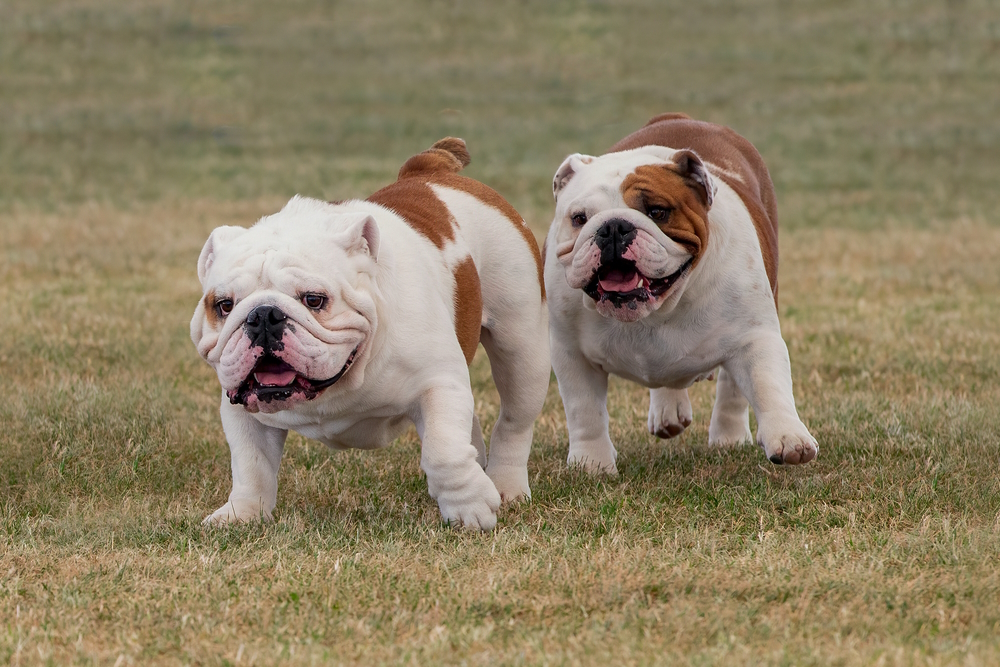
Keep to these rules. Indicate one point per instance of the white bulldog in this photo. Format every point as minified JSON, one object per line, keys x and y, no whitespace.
{"x":348,"y":321}
{"x":661,"y":266}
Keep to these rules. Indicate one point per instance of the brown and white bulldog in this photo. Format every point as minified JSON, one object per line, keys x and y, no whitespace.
{"x":346,"y":322}
{"x":661,"y":266}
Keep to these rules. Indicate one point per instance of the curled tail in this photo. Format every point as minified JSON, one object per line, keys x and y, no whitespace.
{"x":447,"y":155}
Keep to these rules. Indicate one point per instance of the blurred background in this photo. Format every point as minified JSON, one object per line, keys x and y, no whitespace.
{"x":867,"y":111}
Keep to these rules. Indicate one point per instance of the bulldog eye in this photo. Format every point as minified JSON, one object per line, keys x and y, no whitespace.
{"x":659,"y":213}
{"x":313,"y":301}
{"x":579,"y":219}
{"x":223,"y":307}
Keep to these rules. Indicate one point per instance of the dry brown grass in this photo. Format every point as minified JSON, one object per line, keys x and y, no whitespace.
{"x":884,"y":550}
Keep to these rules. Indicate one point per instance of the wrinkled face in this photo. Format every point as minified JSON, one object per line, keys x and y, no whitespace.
{"x":631,"y":226}
{"x":287,"y":307}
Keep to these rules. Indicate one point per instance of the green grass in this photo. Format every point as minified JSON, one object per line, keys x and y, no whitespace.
{"x":129,"y":132}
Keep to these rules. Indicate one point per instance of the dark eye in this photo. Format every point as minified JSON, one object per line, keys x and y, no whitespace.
{"x":579,"y":219}
{"x":314,"y":301}
{"x":659,"y":213}
{"x":223,"y":307}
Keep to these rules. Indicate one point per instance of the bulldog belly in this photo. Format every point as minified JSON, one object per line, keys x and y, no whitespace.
{"x":353,"y":432}
{"x":653,"y":361}
{"x":368,"y":434}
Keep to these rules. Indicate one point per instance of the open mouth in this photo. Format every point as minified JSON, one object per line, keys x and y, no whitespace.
{"x":274,"y":380}
{"x":621,"y":284}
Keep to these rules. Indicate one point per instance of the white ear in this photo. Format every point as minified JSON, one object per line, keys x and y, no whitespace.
{"x":567,"y":169}
{"x":362,"y":235}
{"x":219,"y":237}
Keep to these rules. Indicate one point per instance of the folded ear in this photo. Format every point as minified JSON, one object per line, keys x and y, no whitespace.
{"x":693,"y":170}
{"x":362,"y":235}
{"x":218,"y":238}
{"x":567,"y":170}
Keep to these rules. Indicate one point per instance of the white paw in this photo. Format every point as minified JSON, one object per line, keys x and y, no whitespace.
{"x":789,"y":443}
{"x":594,"y":457}
{"x":473,"y":506}
{"x":511,"y":482}
{"x":669,"y":412}
{"x":237,"y":511}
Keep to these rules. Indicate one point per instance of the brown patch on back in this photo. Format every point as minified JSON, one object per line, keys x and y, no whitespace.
{"x":730,"y":158}
{"x":468,"y":307}
{"x":660,"y":185}
{"x":414,"y":201}
{"x":492,"y":198}
{"x":412,"y":197}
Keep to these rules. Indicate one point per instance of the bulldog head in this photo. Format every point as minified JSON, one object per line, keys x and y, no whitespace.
{"x":288,"y":308}
{"x":631,"y":226}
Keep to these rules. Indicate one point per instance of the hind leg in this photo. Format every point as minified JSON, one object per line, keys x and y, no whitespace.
{"x":730,"y":423}
{"x":519,"y":358}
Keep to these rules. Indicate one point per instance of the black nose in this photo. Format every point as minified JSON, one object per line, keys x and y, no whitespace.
{"x":613,"y":238}
{"x":265,"y":326}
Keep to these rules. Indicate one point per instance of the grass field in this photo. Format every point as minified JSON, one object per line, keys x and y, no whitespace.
{"x":129,"y":130}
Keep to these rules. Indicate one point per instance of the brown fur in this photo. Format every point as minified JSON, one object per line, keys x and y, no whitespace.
{"x":447,"y":155}
{"x":468,"y":307}
{"x":414,"y":201}
{"x":412,"y":198}
{"x":491,"y":198}
{"x":211,"y":314}
{"x":656,"y":185}
{"x":722,"y":149}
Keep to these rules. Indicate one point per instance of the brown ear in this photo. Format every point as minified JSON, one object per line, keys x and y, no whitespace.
{"x":448,"y":155}
{"x":692,"y":169}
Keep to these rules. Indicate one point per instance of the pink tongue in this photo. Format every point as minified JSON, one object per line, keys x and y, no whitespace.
{"x":619,"y":281}
{"x":281,"y":379}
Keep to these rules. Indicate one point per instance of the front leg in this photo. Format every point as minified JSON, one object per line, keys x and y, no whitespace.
{"x":584,"y":391}
{"x":455,"y":476}
{"x":669,"y":412}
{"x":763,"y":373}
{"x":256,"y":455}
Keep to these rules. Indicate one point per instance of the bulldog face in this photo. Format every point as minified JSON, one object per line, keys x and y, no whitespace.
{"x":288,"y":305}
{"x":631,"y":226}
